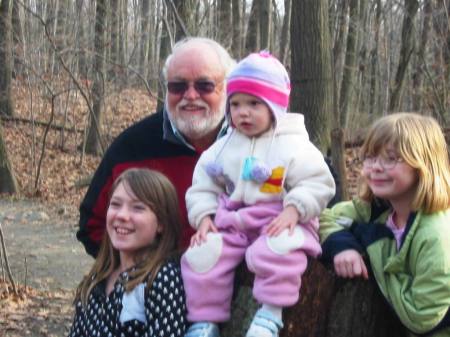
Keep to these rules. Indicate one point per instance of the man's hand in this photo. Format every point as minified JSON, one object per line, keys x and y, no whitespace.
{"x":349,"y":263}
{"x":206,"y":226}
{"x":288,"y":218}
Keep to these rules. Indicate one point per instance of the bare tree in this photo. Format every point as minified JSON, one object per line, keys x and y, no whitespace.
{"x":421,"y":52}
{"x":6,"y":101}
{"x":145,"y":39}
{"x":114,"y":29}
{"x":94,"y":142}
{"x":182,"y":17}
{"x":224,"y":14}
{"x":80,"y":40}
{"x":284,"y":45}
{"x":374,"y":64}
{"x":311,"y":68}
{"x":407,"y":48}
{"x":8,"y":183}
{"x":252,"y":40}
{"x":237,"y":29}
{"x":17,"y":38}
{"x":348,"y":80}
{"x":265,"y":23}
{"x":164,"y":50}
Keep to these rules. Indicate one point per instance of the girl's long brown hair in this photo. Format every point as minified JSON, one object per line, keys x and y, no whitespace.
{"x":157,"y":192}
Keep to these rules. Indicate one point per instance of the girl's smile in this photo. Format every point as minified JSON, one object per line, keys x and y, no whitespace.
{"x":130,"y":223}
{"x":393,"y":180}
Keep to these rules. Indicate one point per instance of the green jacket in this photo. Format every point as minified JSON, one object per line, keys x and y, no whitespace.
{"x":415,"y":280}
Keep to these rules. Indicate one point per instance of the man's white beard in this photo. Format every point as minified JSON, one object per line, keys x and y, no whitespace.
{"x":197,"y":126}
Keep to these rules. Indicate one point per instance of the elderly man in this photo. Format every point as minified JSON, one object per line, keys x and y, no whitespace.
{"x":169,"y":141}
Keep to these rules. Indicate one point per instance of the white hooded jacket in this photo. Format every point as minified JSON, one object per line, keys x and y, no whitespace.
{"x":299,"y":174}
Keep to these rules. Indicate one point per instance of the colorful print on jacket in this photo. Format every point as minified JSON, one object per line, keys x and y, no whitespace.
{"x":298,"y":174}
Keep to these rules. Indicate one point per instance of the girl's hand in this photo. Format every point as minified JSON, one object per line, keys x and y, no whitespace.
{"x":349,"y":263}
{"x":206,"y":226}
{"x":288,"y":218}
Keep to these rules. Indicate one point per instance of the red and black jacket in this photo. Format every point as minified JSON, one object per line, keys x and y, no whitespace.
{"x":144,"y":144}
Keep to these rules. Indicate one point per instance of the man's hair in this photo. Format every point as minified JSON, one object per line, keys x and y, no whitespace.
{"x":226,"y":61}
{"x":158,"y":193}
{"x":420,"y":142}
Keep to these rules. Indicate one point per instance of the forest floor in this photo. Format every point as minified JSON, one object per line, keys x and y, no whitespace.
{"x":39,"y":224}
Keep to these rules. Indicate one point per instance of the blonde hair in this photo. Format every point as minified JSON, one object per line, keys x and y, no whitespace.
{"x":157,"y":192}
{"x":419,"y":141}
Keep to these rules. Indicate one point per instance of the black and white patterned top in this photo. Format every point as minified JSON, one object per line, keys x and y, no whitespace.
{"x":160,"y":312}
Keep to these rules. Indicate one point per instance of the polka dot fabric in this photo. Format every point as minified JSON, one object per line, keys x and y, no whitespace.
{"x":165,"y":309}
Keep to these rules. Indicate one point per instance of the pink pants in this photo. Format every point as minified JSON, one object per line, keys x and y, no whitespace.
{"x":278,"y":262}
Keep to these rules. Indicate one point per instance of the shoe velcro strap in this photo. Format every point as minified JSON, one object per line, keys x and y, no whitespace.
{"x":266,"y":320}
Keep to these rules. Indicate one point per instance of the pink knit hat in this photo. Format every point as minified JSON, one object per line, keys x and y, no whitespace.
{"x":261,"y":75}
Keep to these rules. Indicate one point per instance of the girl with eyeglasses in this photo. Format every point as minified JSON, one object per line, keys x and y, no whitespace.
{"x":398,"y":230}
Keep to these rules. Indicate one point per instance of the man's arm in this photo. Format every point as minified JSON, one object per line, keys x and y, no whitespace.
{"x":94,"y":205}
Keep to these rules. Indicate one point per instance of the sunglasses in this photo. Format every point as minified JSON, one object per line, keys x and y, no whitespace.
{"x":203,"y":87}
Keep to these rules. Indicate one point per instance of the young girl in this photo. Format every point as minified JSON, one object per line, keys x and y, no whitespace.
{"x":265,"y":184}
{"x":135,"y":286}
{"x":401,"y":221}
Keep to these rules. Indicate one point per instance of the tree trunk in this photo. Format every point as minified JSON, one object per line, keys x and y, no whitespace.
{"x":311,"y":76}
{"x":184,"y":10}
{"x":252,"y":37}
{"x":123,"y":40}
{"x":284,"y":45}
{"x":164,"y":50}
{"x":6,"y":100}
{"x":81,"y":41}
{"x":114,"y":24}
{"x":145,"y":40}
{"x":328,"y":307}
{"x":363,"y":45}
{"x":225,"y":23}
{"x":237,"y":29}
{"x":441,"y":58}
{"x":265,"y":23}
{"x":374,"y":67}
{"x":340,"y":30}
{"x":151,"y":57}
{"x":418,"y":73}
{"x":407,"y":48}
{"x":8,"y":183}
{"x":338,"y":162}
{"x":17,"y":38}
{"x":348,"y":78}
{"x":94,"y":143}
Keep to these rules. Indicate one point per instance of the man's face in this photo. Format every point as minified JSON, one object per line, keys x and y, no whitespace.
{"x":196,"y":91}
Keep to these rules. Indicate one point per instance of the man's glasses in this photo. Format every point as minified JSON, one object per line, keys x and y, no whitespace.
{"x":203,"y":87}
{"x":387,"y":163}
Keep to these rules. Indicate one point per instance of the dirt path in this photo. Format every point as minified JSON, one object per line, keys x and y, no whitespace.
{"x":43,"y":253}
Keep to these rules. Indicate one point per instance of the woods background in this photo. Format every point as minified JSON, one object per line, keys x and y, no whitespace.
{"x":74,"y":73}
{"x":350,"y":61}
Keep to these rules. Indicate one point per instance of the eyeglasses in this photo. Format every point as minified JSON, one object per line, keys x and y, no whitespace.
{"x":203,"y":87}
{"x":387,"y":163}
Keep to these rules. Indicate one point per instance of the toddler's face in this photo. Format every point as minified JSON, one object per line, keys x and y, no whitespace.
{"x":250,"y":115}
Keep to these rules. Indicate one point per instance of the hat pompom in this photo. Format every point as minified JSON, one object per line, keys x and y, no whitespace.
{"x":214,"y":169}
{"x":260,"y":173}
